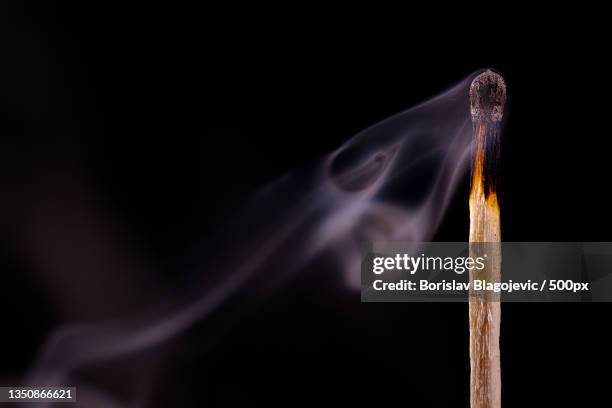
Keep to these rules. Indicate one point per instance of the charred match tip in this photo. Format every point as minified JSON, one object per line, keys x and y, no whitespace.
{"x":487,"y":97}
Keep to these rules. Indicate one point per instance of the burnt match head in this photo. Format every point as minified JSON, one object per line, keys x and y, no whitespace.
{"x":487,"y":97}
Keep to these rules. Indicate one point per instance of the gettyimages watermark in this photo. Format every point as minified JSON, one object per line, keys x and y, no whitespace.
{"x":507,"y":271}
{"x":413,"y":264}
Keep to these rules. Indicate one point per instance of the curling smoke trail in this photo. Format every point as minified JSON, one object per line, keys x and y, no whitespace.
{"x":358,"y":193}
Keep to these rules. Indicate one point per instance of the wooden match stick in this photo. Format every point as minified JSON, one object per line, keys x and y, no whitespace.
{"x":487,"y":99}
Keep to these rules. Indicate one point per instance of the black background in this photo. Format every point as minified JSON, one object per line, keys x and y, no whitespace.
{"x":177,"y":121}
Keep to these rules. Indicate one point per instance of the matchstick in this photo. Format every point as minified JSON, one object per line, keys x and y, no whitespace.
{"x":487,"y":99}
